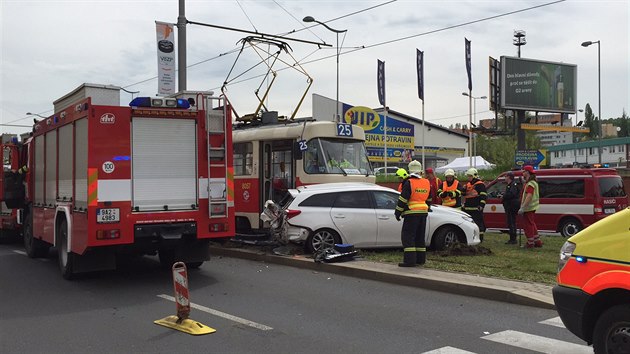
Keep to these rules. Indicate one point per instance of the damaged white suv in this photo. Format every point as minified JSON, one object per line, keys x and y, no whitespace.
{"x":362,"y":214}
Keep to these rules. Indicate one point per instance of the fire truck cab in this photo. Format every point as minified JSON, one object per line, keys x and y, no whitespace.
{"x":153,"y":177}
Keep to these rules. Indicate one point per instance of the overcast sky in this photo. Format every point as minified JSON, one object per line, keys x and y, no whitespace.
{"x":50,"y":47}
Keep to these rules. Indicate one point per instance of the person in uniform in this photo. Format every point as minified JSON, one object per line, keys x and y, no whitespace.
{"x":413,"y":206}
{"x":449,"y":190}
{"x":511,"y":204}
{"x":529,"y":205}
{"x":475,"y":199}
{"x":435,"y":185}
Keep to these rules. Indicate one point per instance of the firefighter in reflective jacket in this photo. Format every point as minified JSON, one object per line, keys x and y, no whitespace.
{"x":475,"y":199}
{"x":413,"y":205}
{"x":449,"y":190}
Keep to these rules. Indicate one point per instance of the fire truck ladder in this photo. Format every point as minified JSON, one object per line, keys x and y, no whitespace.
{"x":255,"y":44}
{"x":218,"y":196}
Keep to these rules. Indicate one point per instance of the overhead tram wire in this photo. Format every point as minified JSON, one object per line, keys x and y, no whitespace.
{"x":416,"y":35}
{"x":246,"y":15}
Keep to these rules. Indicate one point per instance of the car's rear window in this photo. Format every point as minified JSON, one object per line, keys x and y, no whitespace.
{"x":611,"y":187}
{"x":286,"y":200}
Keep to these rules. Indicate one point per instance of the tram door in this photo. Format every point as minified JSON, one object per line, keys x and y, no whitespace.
{"x":278,"y":170}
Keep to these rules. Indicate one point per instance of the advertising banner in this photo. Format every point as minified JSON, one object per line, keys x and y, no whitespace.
{"x":380,"y":79}
{"x":400,"y":135}
{"x":535,"y":85}
{"x":166,"y":58}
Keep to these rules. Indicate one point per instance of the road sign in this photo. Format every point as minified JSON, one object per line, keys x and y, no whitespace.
{"x":528,"y":157}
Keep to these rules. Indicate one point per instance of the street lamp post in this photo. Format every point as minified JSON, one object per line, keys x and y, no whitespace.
{"x":475,"y":122}
{"x":35,"y":114}
{"x":311,"y":19}
{"x":599,"y":93}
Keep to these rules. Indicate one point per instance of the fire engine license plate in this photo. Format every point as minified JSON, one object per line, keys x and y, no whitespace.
{"x":107,"y":215}
{"x":609,"y":210}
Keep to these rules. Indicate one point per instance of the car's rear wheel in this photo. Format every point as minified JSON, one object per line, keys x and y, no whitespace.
{"x":322,"y":239}
{"x":570,"y":227}
{"x":445,"y":237}
{"x":612,"y":331}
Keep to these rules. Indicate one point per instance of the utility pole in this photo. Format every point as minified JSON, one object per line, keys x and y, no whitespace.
{"x":519,"y":40}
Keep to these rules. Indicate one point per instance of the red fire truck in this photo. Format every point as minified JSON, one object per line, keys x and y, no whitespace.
{"x":12,"y":176}
{"x":154,"y":177}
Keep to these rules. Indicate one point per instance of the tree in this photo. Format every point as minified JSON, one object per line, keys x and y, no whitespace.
{"x":501,"y":150}
{"x":624,"y":125}
{"x":590,"y":122}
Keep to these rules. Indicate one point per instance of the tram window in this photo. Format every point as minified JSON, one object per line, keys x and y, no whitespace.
{"x":243,"y":158}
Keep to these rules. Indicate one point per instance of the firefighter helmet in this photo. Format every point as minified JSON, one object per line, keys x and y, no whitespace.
{"x":472,"y":172}
{"x":415,"y":167}
{"x":402,"y":173}
{"x":449,"y":172}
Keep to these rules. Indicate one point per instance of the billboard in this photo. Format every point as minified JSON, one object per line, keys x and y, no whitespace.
{"x":535,"y":85}
{"x":400,"y":135}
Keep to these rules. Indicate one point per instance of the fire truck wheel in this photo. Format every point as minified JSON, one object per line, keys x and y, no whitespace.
{"x":167,"y":258}
{"x":612,"y":331}
{"x":34,"y":248}
{"x":322,"y":239}
{"x":66,"y":258}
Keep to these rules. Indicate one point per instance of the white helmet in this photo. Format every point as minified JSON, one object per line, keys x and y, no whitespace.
{"x":472,"y":172}
{"x":415,"y":167}
{"x":449,"y":172}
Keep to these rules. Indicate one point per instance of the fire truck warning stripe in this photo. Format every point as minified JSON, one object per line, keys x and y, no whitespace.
{"x":227,"y":316}
{"x":92,"y":186}
{"x":230,"y":183}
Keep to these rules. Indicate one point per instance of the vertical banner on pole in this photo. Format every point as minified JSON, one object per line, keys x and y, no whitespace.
{"x":468,"y":64}
{"x":469,"y":71}
{"x":380,"y":78}
{"x":420,"y":66}
{"x":166,"y":57}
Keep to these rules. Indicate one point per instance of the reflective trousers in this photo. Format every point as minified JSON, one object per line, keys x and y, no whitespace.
{"x":529,"y":227}
{"x":412,"y":236}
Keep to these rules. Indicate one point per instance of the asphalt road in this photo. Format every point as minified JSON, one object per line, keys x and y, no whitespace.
{"x":255,"y":307}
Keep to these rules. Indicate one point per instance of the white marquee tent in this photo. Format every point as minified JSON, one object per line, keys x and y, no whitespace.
{"x":462,"y":164}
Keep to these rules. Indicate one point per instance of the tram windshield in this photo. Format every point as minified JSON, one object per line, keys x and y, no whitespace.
{"x":336,"y":156}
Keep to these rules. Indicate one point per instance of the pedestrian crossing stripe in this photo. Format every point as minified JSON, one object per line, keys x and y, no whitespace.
{"x":448,"y":350}
{"x":556,"y":321}
{"x":537,"y":343}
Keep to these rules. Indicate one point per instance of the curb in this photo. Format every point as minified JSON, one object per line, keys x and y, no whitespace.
{"x":431,"y":280}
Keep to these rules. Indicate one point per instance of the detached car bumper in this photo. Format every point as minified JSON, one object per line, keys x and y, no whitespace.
{"x":570,"y":304}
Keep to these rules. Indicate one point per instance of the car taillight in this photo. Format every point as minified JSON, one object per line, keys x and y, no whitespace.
{"x":291,"y":213}
{"x":107,"y":234}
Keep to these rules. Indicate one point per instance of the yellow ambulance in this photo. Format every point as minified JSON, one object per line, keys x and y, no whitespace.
{"x":593,"y":291}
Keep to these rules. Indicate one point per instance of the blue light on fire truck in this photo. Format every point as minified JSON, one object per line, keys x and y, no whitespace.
{"x":159,"y":102}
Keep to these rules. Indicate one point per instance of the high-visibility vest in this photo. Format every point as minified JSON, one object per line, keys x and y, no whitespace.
{"x":448,"y":201}
{"x":471,"y":192}
{"x":533,"y":204}
{"x":420,"y":189}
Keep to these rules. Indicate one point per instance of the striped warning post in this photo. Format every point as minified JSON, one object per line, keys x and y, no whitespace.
{"x":92,"y":186}
{"x":180,"y":284}
{"x":181,"y":322}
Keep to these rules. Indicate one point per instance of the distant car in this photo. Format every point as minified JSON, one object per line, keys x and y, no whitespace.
{"x":362,"y":214}
{"x":390,"y":170}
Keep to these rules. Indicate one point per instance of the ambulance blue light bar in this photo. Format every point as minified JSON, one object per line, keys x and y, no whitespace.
{"x":160,"y":102}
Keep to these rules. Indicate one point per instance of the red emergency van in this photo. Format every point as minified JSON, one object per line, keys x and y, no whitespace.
{"x":570,"y":199}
